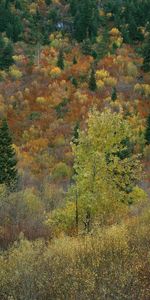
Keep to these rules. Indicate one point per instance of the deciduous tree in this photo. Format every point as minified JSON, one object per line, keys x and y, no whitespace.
{"x":103,"y":179}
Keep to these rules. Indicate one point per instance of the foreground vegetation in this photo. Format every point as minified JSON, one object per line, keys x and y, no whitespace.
{"x":113,"y":263}
{"x":74,"y":149}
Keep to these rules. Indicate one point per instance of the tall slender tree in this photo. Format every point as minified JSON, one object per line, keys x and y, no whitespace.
{"x":60,"y":61}
{"x":6,"y":53}
{"x":147,"y":131}
{"x":8,"y":162}
{"x":99,"y":184}
{"x":92,"y":81}
{"x":114,"y":94}
{"x":146,"y":55}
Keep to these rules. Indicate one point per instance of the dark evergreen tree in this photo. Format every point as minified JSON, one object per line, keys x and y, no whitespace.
{"x":114,"y":94}
{"x":87,"y":47}
{"x":8,"y":171}
{"x":129,"y":16}
{"x":60,"y":61}
{"x":6,"y":53}
{"x":86,"y":19}
{"x":10,"y":21}
{"x":74,"y":60}
{"x":14,"y":28}
{"x":76,"y":133}
{"x":92,"y":81}
{"x":146,"y":55}
{"x":147,"y":131}
{"x":48,"y":2}
{"x":128,"y":149}
{"x":74,"y":81}
{"x":103,"y":45}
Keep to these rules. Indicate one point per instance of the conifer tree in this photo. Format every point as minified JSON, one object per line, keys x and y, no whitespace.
{"x":146,"y":55}
{"x":114,"y":94}
{"x":74,"y":82}
{"x":86,"y":19}
{"x":92,"y":81}
{"x":8,"y":171}
{"x":60,"y":61}
{"x":147,"y":131}
{"x":74,"y":60}
{"x":6,"y":53}
{"x":76,"y":133}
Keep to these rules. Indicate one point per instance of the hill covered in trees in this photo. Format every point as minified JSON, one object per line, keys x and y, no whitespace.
{"x":74,"y":149}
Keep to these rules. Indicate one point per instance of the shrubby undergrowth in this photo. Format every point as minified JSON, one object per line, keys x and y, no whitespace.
{"x":113,"y":263}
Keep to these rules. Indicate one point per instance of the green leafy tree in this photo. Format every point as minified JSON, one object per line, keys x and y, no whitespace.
{"x":103,"y":178}
{"x":92,"y":81}
{"x":60,"y":61}
{"x":8,"y":162}
{"x":147,"y":131}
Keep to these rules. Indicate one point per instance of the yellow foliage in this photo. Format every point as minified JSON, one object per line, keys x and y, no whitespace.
{"x":3,"y":75}
{"x":38,"y":144}
{"x":59,"y":140}
{"x":97,"y":266}
{"x":142,"y":89}
{"x":27,"y":92}
{"x":2,"y":190}
{"x":33,"y":8}
{"x":110,"y":81}
{"x":41,"y":100}
{"x":82,"y":98}
{"x":118,"y":42}
{"x":132,"y":69}
{"x":101,"y":13}
{"x":15,"y":73}
{"x":114,"y":32}
{"x":101,"y":74}
{"x":61,"y":219}
{"x":18,"y":58}
{"x":109,"y":15}
{"x":55,"y":72}
{"x":137,"y":87}
{"x":100,"y":84}
{"x":138,"y":194}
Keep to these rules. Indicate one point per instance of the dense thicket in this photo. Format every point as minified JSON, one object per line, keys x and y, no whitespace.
{"x":85,"y":18}
{"x":112,"y":264}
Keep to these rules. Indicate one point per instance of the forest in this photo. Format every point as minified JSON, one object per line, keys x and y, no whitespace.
{"x":74,"y":150}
